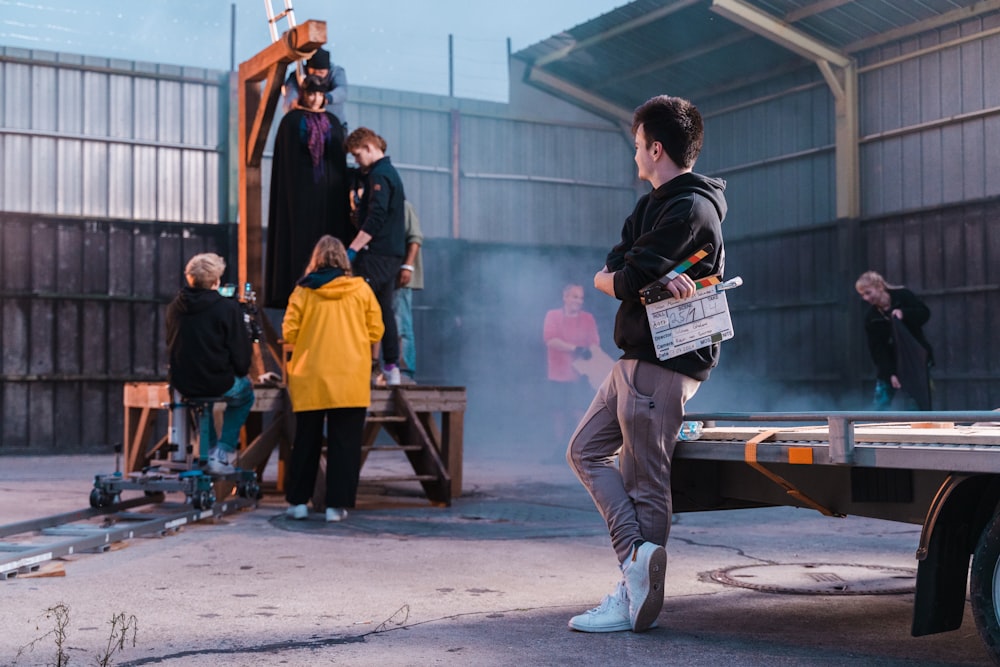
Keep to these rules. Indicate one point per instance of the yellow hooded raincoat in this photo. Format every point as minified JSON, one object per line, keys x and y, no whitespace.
{"x":332,"y":328}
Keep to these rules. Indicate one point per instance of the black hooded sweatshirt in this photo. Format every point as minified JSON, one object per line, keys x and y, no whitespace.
{"x":207,"y":342}
{"x":667,"y":226}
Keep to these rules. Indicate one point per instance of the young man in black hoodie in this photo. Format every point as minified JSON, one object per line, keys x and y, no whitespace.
{"x":639,"y":409}
{"x":209,"y":351}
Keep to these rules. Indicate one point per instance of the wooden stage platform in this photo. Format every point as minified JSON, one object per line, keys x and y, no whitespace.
{"x":425,"y":424}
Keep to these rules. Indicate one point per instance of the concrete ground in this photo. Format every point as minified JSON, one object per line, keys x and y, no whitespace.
{"x":491,"y":580}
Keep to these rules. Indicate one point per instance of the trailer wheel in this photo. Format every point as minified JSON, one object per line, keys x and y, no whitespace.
{"x":984,"y":587}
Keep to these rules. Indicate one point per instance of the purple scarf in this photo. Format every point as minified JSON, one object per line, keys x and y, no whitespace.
{"x":317,"y":132}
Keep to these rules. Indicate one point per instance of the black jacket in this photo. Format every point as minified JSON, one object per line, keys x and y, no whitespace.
{"x":207,"y":342}
{"x":878,"y":327}
{"x":666,"y":227}
{"x":382,"y":212}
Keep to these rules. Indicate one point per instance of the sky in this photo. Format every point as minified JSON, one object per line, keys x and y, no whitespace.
{"x":396,"y":44}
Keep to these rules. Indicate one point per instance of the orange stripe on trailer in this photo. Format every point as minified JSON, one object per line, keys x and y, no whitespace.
{"x":800,"y":455}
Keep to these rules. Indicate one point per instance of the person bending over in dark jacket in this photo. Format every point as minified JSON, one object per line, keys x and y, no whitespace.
{"x":891,"y":303}
{"x":209,"y":353}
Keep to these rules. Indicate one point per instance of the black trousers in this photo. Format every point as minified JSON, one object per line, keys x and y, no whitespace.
{"x":344,"y":430}
{"x":381,"y":271}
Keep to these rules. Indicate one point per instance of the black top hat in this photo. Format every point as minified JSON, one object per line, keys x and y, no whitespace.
{"x":319,"y":60}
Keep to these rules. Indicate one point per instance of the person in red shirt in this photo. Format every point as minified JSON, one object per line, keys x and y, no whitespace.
{"x":570,"y":333}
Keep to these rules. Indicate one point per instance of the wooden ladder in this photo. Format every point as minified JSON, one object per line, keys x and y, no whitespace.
{"x":412,"y":439}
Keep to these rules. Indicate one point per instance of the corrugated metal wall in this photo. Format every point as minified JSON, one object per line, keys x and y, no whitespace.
{"x":105,"y":165}
{"x":94,"y":137}
{"x":799,"y":335}
{"x":81,"y":312}
{"x":948,"y":255}
{"x":775,"y":148}
{"x":929,"y":120}
{"x":97,"y":187}
{"x":519,"y":181}
{"x":930,"y":177}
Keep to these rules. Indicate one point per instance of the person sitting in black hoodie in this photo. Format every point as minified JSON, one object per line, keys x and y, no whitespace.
{"x":209,"y":355}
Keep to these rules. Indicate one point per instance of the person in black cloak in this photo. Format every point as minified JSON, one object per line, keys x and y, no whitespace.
{"x":309,"y":191}
{"x":901,"y":353}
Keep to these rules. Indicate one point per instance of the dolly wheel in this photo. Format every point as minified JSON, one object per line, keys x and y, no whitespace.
{"x":100,"y":498}
{"x":249,"y":490}
{"x":203,"y":500}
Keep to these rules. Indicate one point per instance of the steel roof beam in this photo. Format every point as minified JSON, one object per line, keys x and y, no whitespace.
{"x":777,"y":31}
{"x":841,"y":74}
{"x":620,"y":29}
{"x":584,"y":98}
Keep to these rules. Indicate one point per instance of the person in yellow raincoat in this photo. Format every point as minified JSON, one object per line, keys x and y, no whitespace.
{"x":333,"y":318}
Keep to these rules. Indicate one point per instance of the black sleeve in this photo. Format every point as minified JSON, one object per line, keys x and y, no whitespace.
{"x":878,"y":331}
{"x":239,"y":341}
{"x":379,"y":191}
{"x":669,"y":241}
{"x":915,"y":312}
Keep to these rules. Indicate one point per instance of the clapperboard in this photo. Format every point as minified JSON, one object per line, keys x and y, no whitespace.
{"x":681,"y":325}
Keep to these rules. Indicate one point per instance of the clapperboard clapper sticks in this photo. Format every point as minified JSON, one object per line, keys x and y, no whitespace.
{"x":681,"y":325}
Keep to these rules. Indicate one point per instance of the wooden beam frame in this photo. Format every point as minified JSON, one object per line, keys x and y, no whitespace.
{"x":257,"y":104}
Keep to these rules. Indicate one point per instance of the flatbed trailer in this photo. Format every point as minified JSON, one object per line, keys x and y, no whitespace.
{"x":939,"y":470}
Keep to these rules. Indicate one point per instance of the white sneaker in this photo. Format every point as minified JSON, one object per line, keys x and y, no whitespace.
{"x":392,"y":377}
{"x":644,"y":571}
{"x":334,"y":514}
{"x":297,"y":511}
{"x":218,"y":462}
{"x":609,"y":616}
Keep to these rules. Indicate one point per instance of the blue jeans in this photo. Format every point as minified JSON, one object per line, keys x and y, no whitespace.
{"x":402,"y":306}
{"x":884,"y":393}
{"x":239,"y":399}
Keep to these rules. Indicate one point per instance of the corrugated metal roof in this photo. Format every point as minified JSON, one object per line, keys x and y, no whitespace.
{"x":691,"y":48}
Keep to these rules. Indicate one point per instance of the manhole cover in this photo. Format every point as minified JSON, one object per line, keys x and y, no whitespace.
{"x":819,"y":578}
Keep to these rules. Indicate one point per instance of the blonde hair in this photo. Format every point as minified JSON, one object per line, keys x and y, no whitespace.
{"x":204,"y":269}
{"x":873,"y":279}
{"x":362,"y":136}
{"x":328,"y":252}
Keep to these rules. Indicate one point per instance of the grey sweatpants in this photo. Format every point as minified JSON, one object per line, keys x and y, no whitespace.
{"x":638,"y":410}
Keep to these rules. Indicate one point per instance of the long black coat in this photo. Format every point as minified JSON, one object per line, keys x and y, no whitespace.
{"x":302,"y":208}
